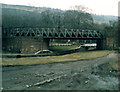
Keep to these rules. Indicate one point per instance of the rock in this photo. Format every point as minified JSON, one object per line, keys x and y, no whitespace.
{"x":86,"y":81}
{"x":75,"y":74}
{"x":27,"y":86}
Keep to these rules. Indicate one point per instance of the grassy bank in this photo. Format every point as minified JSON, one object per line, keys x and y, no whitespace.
{"x":62,"y":48}
{"x":50,"y":59}
{"x":114,"y":65}
{"x":53,"y":48}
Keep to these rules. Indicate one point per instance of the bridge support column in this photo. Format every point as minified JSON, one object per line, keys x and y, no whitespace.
{"x":25,"y":45}
{"x":111,"y":43}
{"x":112,"y":36}
{"x":101,"y":44}
{"x":12,"y":45}
{"x":33,"y":45}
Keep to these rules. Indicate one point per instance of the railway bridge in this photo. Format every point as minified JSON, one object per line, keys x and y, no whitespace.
{"x":31,"y":40}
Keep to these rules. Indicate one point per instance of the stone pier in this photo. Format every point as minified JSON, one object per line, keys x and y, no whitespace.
{"x":25,"y":44}
{"x":101,"y":44}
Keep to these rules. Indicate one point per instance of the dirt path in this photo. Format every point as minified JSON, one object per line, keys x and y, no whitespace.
{"x":79,"y":75}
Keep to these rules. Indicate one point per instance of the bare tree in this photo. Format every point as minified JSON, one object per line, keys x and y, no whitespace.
{"x":81,"y":8}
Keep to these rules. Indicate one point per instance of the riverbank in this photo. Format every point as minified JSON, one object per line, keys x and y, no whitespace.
{"x":53,"y":59}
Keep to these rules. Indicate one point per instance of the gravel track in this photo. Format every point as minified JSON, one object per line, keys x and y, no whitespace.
{"x":80,"y":75}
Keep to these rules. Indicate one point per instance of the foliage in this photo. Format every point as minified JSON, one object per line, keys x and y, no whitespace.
{"x":23,"y":17}
{"x":42,"y":17}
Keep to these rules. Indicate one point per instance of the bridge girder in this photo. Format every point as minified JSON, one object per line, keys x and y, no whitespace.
{"x":52,"y":33}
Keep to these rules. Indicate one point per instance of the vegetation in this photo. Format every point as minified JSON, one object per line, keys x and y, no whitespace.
{"x":25,"y":16}
{"x":50,"y":59}
{"x":49,"y":18}
{"x":103,"y":18}
{"x":114,"y":65}
{"x":62,"y":48}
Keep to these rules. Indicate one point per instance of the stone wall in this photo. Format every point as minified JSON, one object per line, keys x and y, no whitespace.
{"x":11,"y":44}
{"x":101,"y":44}
{"x":111,"y":43}
{"x":112,"y":39}
{"x":25,"y":44}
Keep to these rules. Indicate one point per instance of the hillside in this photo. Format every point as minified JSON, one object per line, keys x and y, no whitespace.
{"x":29,"y":8}
{"x":28,"y":16}
{"x":103,"y":18}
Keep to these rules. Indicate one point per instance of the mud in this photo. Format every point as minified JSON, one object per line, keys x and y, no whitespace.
{"x":94,"y":74}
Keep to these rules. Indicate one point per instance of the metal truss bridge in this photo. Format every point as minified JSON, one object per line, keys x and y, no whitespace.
{"x":52,"y":33}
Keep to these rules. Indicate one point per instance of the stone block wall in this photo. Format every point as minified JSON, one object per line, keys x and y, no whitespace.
{"x":112,"y":39}
{"x":11,"y":44}
{"x":25,"y":44}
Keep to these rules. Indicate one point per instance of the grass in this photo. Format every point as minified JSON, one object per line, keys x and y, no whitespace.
{"x":50,"y":59}
{"x":54,"y":48}
{"x":114,"y":65}
{"x":62,"y":48}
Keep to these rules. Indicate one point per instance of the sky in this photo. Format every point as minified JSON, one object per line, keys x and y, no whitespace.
{"x":104,"y":7}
